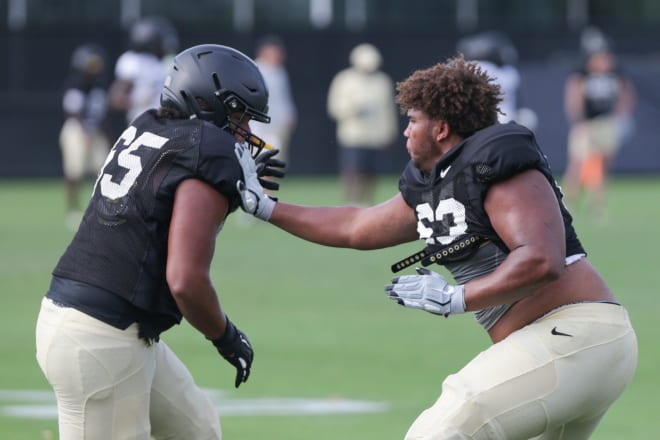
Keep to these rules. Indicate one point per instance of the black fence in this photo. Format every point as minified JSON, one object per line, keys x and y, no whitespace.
{"x":36,"y":61}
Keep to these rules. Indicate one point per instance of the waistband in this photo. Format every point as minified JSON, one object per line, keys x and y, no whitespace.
{"x":94,"y":301}
{"x":594,"y":311}
{"x":73,"y":317}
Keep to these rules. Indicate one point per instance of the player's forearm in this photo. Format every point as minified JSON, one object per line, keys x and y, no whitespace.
{"x":199,"y":304}
{"x":329,"y":226}
{"x":523,"y":272}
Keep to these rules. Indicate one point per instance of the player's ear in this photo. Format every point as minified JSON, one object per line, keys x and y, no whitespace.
{"x":441,"y":130}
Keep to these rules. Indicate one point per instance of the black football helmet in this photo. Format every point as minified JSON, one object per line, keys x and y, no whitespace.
{"x":226,"y":80}
{"x":491,"y":46}
{"x":155,"y":35}
{"x":89,"y":59}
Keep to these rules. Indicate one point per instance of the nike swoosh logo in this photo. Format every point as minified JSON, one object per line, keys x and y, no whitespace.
{"x":251,"y":89}
{"x":438,"y":302}
{"x":558,"y":333}
{"x":444,"y":172}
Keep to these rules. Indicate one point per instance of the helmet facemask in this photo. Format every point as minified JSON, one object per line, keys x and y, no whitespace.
{"x":254,"y":142}
{"x":234,"y":104}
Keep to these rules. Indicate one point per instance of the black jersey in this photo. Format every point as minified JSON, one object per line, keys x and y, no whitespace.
{"x":601,"y":92}
{"x":85,"y":98}
{"x":449,"y":202}
{"x":121,"y":244}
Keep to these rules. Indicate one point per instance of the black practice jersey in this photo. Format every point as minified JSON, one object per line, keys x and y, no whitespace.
{"x":85,"y":98}
{"x":449,"y":203}
{"x":601,"y":92}
{"x":121,"y":244}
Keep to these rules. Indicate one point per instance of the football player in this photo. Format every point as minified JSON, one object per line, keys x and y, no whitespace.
{"x":83,"y":140}
{"x":599,"y":100}
{"x":482,"y":196}
{"x":140,"y":71}
{"x":141,"y":258}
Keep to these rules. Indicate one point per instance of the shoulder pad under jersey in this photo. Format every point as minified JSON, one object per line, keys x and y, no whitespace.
{"x":217,"y":164}
{"x":500,"y":151}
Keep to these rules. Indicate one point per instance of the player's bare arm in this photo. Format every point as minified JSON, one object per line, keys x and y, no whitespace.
{"x":537,"y":249}
{"x":197,"y":214}
{"x":386,"y":224}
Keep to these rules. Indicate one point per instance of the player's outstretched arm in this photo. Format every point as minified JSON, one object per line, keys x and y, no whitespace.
{"x":387,"y":224}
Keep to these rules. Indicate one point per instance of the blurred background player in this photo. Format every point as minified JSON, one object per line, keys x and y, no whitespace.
{"x":497,"y":56}
{"x":83,"y":140}
{"x":598,"y":101}
{"x":270,"y":57}
{"x":140,"y":71}
{"x":361,"y":101}
{"x":171,"y":42}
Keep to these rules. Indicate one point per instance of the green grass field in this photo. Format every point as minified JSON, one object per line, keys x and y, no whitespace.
{"x":319,"y":320}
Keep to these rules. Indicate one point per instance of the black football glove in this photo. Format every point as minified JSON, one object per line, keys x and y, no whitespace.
{"x":269,"y":166}
{"x":234,"y":346}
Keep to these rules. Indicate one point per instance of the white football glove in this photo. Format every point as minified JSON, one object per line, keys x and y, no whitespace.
{"x":254,"y":200}
{"x":427,"y":291}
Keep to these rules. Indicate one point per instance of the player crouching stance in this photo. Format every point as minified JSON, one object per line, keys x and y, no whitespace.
{"x":564,"y":348}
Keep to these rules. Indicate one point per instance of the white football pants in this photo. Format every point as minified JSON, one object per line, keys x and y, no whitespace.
{"x":551,"y":380}
{"x":111,"y":385}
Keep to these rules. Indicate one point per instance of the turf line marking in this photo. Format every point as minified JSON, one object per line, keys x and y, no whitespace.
{"x":32,"y":404}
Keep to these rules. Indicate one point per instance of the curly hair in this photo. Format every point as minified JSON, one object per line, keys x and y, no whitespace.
{"x":456,"y":91}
